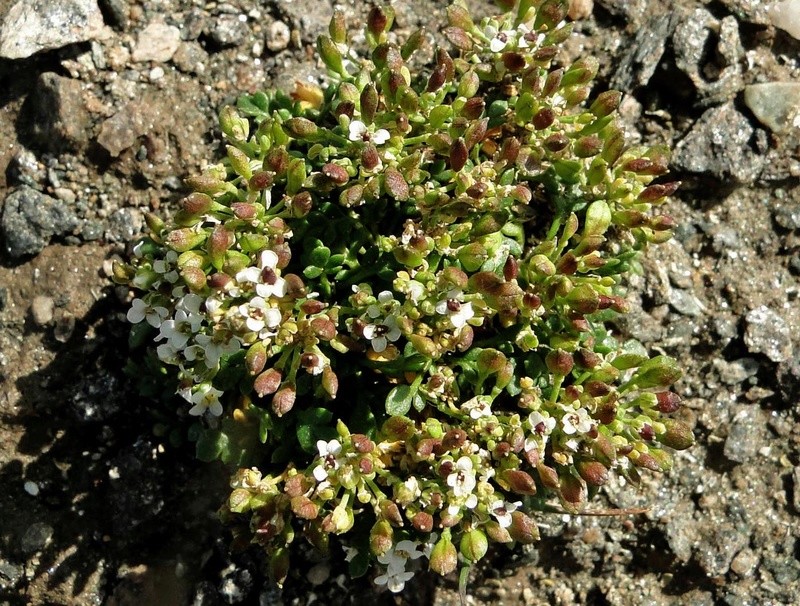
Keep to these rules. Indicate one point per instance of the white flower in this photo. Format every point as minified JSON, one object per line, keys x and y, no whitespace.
{"x":206,"y":399}
{"x":395,"y":580}
{"x":212,"y":348}
{"x":577,"y":421}
{"x":140,"y":311}
{"x":178,"y":330}
{"x":502,"y":510}
{"x":265,"y":277}
{"x":380,"y":335}
{"x":540,"y":424}
{"x":477,"y":407}
{"x":501,"y":40}
{"x":329,"y":453}
{"x":165,"y":267}
{"x":462,"y":478}
{"x":361,"y":132}
{"x":259,"y":316}
{"x":415,"y":290}
{"x":396,"y":560}
{"x":457,"y":311}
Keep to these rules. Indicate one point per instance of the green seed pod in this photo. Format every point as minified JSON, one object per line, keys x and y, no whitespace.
{"x":606,"y":103}
{"x":474,"y":545}
{"x":337,"y":28}
{"x":444,"y":558}
{"x":233,"y":125}
{"x":331,"y":56}
{"x":301,"y":128}
{"x":381,"y":538}
{"x":678,"y":435}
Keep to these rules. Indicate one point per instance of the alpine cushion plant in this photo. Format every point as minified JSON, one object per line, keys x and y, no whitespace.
{"x":389,"y":305}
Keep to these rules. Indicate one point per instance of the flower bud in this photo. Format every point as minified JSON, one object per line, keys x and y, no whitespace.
{"x":398,"y":428}
{"x":197,"y":203}
{"x":454,"y":438}
{"x":583,"y":299}
{"x":255,"y":359}
{"x":552,"y":83}
{"x":301,"y":204}
{"x":581,"y":72}
{"x":548,"y":476}
{"x":513,"y":62}
{"x":661,"y":371}
{"x":509,"y":151}
{"x":497,"y":533}
{"x":573,"y":490}
{"x":523,"y":529}
{"x":474,"y":545}
{"x":277,"y":160}
{"x":658,"y":191}
{"x":381,"y":538}
{"x":444,"y":558}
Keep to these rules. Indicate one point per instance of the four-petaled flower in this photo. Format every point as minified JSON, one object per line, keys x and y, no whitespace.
{"x":265,"y":277}
{"x":457,"y":311}
{"x":359,"y":131}
{"x":477,"y":407}
{"x":502,"y":510}
{"x":395,"y":561}
{"x":329,"y":454}
{"x":140,"y":310}
{"x":462,"y":478}
{"x":260,"y":317}
{"x":383,"y":333}
{"x":205,"y":399}
{"x":576,"y":422}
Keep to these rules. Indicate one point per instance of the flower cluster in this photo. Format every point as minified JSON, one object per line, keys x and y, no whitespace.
{"x":388,"y":305}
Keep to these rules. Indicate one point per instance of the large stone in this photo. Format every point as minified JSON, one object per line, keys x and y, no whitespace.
{"x":721,"y":144}
{"x":775,"y":104}
{"x":786,"y":15}
{"x":61,"y":120}
{"x":30,"y":219}
{"x":31,"y":26}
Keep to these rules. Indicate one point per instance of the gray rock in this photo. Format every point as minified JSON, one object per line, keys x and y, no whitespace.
{"x":310,"y":17}
{"x":157,"y":42}
{"x":738,"y":371}
{"x":744,"y":435}
{"x":278,"y":36}
{"x":25,"y":169}
{"x":786,"y":15}
{"x":640,"y":60}
{"x":787,"y":215}
{"x":30,"y":219}
{"x":42,"y":308}
{"x":10,"y":574}
{"x":775,"y":104}
{"x":36,"y":537}
{"x":681,"y":531}
{"x":229,"y":30}
{"x":685,"y":303}
{"x":631,"y":11}
{"x":693,"y":36}
{"x":744,"y":563}
{"x":31,"y":26}
{"x":720,"y":144}
{"x":767,"y":333}
{"x":61,"y":121}
{"x":124,"y":224}
{"x":235,"y":587}
{"x":718,"y":547}
{"x":190,"y":58}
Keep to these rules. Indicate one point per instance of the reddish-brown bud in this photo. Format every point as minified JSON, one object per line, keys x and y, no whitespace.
{"x":304,"y":508}
{"x":668,"y":401}
{"x":337,"y":174}
{"x":593,"y":472}
{"x":458,"y":155}
{"x":283,"y":400}
{"x":544,"y":118}
{"x":422,"y":521}
{"x":519,"y":481}
{"x":267,"y":382}
{"x":523,"y":529}
{"x":559,"y":362}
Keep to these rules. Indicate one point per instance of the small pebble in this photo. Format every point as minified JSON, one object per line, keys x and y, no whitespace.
{"x":767,"y":333}
{"x":42,"y":310}
{"x":32,"y":488}
{"x":278,"y":36}
{"x":319,"y":574}
{"x":156,"y":74}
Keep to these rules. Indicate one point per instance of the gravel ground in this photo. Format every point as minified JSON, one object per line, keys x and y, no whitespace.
{"x":108,"y":104}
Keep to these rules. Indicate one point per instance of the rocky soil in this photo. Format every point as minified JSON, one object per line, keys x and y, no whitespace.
{"x":106,"y":106}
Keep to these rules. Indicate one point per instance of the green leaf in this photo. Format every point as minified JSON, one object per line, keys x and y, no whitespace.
{"x":358,"y":566}
{"x":399,"y":400}
{"x":210,"y":445}
{"x":320,"y":255}
{"x":315,"y":416}
{"x":312,"y":272}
